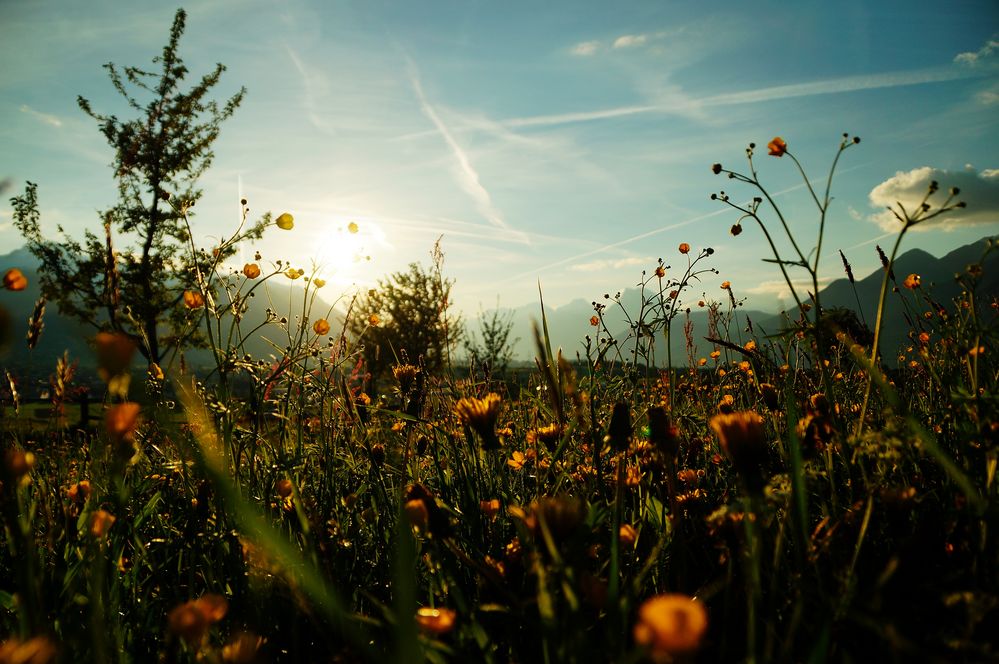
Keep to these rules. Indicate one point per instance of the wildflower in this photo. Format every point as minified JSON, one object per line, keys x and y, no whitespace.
{"x":14,"y":280}
{"x":283,"y":487}
{"x":769,"y":394}
{"x":318,"y":283}
{"x":435,"y":621}
{"x":38,"y":650}
{"x":684,"y":248}
{"x":671,"y":625}
{"x":660,"y":271}
{"x":321,"y":326}
{"x":191,"y":620}
{"x":193,"y":299}
{"x":701,"y":362}
{"x":726,"y":285}
{"x":594,"y":321}
{"x":417,"y":513}
{"x":726,"y":404}
{"x":114,"y":354}
{"x":294,"y":273}
{"x":489,"y":508}
{"x":975,"y":352}
{"x":480,"y":415}
{"x":736,"y":230}
{"x":777,"y":147}
{"x":716,"y":168}
{"x":242,"y":649}
{"x":79,"y":492}
{"x":251,"y":270}
{"x":285,"y":222}
{"x":352,"y":228}
{"x":561,"y":515}
{"x":517,"y":460}
{"x":374,"y":320}
{"x":743,"y":440}
{"x":18,"y":463}
{"x":627,"y":534}
{"x":750,"y":346}
{"x":121,"y":420}
{"x":155,"y":371}
{"x":100,"y":523}
{"x":715,"y":354}
{"x":912,"y":282}
{"x":548,"y":435}
{"x":422,"y":510}
{"x":619,"y":431}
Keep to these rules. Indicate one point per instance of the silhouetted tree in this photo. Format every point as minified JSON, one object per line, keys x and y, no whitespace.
{"x":159,"y":155}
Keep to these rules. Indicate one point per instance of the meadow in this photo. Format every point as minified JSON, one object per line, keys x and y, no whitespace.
{"x":800,"y":496}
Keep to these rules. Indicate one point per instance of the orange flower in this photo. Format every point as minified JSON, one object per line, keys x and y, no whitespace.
{"x":38,"y":650}
{"x":660,"y":272}
{"x":671,"y":625}
{"x":14,"y":280}
{"x":744,"y":440}
{"x":912,"y":282}
{"x":121,"y":421}
{"x":283,"y":487}
{"x":777,"y":147}
{"x":251,"y":270}
{"x":417,"y":512}
{"x":627,"y":534}
{"x":79,"y":492}
{"x":435,"y":621}
{"x":321,"y":326}
{"x":750,"y":346}
{"x":517,"y":460}
{"x":726,"y":285}
{"x":594,"y":321}
{"x":193,"y":299}
{"x":374,"y":320}
{"x":114,"y":354}
{"x":285,"y":222}
{"x":100,"y":523}
{"x":490,"y":508}
{"x":191,"y":620}
{"x":684,"y":248}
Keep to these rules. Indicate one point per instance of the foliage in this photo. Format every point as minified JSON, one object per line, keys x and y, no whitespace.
{"x":494,"y":352}
{"x":406,"y":318}
{"x":158,"y":157}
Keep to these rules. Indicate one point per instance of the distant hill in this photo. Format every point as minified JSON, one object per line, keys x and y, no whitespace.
{"x":568,"y":324}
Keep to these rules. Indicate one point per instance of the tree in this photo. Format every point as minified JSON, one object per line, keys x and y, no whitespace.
{"x":158,"y":157}
{"x":406,"y":319}
{"x":495,"y":352}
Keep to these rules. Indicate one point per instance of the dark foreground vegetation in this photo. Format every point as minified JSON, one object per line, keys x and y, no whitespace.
{"x":783,"y":498}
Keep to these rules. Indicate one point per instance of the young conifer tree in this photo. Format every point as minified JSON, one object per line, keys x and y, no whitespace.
{"x":131,"y":277}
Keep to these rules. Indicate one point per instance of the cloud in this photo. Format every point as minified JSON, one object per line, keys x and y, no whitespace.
{"x":981,"y":56}
{"x":979,"y":189}
{"x":468,"y":177}
{"x":611,"y":264}
{"x":778,"y":287}
{"x":989,"y":97}
{"x":585,"y":48}
{"x":630,"y":41}
{"x":44,"y":117}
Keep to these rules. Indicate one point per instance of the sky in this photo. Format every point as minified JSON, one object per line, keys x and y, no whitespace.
{"x":560,"y":145}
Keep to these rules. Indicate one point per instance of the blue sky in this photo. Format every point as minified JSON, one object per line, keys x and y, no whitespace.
{"x":565,"y":142}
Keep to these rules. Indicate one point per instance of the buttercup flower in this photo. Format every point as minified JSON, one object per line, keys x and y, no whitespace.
{"x":684,"y":248}
{"x":321,"y":326}
{"x":251,"y":270}
{"x":14,"y":280}
{"x":912,"y":282}
{"x":671,"y":625}
{"x":285,"y":222}
{"x":435,"y":621}
{"x":594,"y":321}
{"x":743,"y":439}
{"x":352,"y":228}
{"x":193,"y":299}
{"x":777,"y":147}
{"x":100,"y":523}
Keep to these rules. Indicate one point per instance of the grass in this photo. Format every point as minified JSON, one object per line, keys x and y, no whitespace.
{"x":787,"y":497}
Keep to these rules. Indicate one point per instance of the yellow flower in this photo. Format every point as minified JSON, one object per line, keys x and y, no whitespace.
{"x":660,"y":271}
{"x":627,"y":534}
{"x":251,"y":270}
{"x":490,"y":508}
{"x":38,"y":650}
{"x":912,"y":282}
{"x":121,"y":420}
{"x":374,"y":320}
{"x":155,"y":372}
{"x":318,"y":283}
{"x":435,"y":621}
{"x":684,"y":248}
{"x":777,"y":147}
{"x":14,"y":280}
{"x":743,"y":439}
{"x":671,"y":625}
{"x":193,"y":299}
{"x":283,"y":487}
{"x":285,"y":222}
{"x":517,"y":460}
{"x":293,"y":273}
{"x":352,"y":228}
{"x":100,"y":522}
{"x":480,"y":415}
{"x":321,"y":326}
{"x":750,"y":346}
{"x":726,"y":285}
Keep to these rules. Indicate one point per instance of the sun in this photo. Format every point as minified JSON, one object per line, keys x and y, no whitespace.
{"x":339,"y":250}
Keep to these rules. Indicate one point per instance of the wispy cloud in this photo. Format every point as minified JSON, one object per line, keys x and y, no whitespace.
{"x":467,"y":176}
{"x":47,"y":118}
{"x":630,"y":41}
{"x":770,"y":93}
{"x":778,"y":287}
{"x":612,"y":264}
{"x":585,"y":48}
{"x":982,"y":55}
{"x":315,"y":86}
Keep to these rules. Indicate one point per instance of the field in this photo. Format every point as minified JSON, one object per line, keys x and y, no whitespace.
{"x":787,"y":498}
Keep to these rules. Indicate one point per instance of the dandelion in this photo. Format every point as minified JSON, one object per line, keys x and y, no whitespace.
{"x":435,"y":621}
{"x":684,"y":248}
{"x":14,"y":280}
{"x":285,"y":222}
{"x":480,"y":415}
{"x":777,"y":147}
{"x":321,"y":326}
{"x":193,"y":299}
{"x":743,"y":440}
{"x":251,"y":270}
{"x":671,"y":625}
{"x":913,"y":281}
{"x":100,"y":523}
